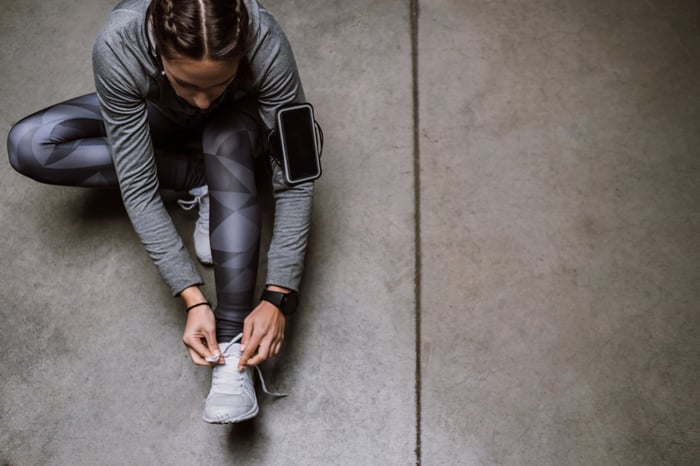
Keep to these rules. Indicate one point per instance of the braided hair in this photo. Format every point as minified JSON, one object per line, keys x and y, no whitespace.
{"x":198,"y":29}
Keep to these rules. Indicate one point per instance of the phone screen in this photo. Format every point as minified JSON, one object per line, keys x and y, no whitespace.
{"x":298,"y":136}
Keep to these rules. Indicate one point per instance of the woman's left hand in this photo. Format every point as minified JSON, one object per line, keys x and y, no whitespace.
{"x":263,"y":332}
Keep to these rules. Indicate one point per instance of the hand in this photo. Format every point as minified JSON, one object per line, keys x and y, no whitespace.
{"x":200,"y":329}
{"x":263,"y":332}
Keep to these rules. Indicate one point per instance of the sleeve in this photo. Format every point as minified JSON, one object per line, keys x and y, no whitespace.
{"x":276,"y":77}
{"x":126,"y":121}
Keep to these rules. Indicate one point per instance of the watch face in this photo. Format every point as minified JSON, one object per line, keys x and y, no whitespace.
{"x":291,"y":302}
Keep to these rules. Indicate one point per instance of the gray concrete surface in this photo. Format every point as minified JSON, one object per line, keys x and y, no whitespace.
{"x":559,"y":248}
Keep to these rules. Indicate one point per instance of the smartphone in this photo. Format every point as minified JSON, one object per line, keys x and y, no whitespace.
{"x":299,"y":143}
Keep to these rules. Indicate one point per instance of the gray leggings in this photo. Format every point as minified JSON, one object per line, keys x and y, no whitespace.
{"x":66,"y":144}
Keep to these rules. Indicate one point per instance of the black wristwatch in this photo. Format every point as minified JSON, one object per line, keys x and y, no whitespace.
{"x":286,"y":302}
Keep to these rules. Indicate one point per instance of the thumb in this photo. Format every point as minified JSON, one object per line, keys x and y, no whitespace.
{"x":213,"y":346}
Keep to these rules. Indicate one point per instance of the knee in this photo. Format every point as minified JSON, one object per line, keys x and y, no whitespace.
{"x":29,"y":148}
{"x":19,"y":146}
{"x":234,"y":137}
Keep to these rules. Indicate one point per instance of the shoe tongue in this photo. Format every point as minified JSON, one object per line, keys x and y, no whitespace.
{"x":227,"y":378}
{"x":230,"y":349}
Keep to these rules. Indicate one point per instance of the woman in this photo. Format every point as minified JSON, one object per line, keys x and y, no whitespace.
{"x":186,"y":90}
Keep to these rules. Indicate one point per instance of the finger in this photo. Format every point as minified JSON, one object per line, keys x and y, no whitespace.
{"x":197,"y":345}
{"x":196,"y":358}
{"x":247,"y":354}
{"x":257,"y":359}
{"x":277,"y":348}
{"x":264,"y":353}
{"x":213,"y":347}
{"x":265,"y":349}
{"x":277,"y":342}
{"x":247,"y":334}
{"x":250,"y":349}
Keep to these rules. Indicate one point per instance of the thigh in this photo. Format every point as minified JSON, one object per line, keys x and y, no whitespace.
{"x":66,"y":144}
{"x":231,"y":134}
{"x":63,"y":144}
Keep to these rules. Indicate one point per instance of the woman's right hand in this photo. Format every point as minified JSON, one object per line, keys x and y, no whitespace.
{"x":200,"y":336}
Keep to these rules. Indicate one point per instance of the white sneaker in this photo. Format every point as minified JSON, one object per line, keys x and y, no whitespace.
{"x":202,"y":248}
{"x":232,"y":394}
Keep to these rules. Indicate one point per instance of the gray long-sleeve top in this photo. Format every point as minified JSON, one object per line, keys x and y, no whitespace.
{"x":127,"y":74}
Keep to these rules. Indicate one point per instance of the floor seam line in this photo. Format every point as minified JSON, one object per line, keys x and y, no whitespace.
{"x":417,"y":224}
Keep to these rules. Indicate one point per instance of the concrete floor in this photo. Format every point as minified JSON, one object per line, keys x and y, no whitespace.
{"x":559,"y":252}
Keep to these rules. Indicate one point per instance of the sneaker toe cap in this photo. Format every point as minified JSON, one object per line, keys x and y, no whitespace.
{"x":229,"y":408}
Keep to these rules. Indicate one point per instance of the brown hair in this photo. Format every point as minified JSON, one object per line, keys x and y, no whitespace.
{"x":197,"y":29}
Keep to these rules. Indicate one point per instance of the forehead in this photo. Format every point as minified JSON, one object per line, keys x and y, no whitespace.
{"x":202,"y":73}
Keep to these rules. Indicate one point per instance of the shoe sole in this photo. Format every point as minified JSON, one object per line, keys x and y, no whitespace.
{"x":249,"y":415}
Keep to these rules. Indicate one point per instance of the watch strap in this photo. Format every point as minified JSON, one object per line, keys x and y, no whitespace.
{"x":285,"y":302}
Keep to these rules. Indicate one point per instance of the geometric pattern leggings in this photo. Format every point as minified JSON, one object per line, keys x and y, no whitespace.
{"x":66,"y":144}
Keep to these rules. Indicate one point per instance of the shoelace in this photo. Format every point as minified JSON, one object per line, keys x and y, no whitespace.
{"x":189,"y":204}
{"x":236,"y":355}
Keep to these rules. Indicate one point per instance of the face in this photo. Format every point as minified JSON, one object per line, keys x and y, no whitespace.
{"x":199,"y":82}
